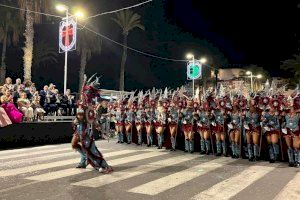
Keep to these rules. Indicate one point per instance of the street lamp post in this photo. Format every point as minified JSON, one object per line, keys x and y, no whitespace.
{"x":251,"y":76}
{"x":66,"y":53}
{"x":191,"y":56}
{"x":63,"y":8}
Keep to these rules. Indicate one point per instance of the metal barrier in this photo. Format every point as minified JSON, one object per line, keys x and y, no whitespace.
{"x":58,"y":119}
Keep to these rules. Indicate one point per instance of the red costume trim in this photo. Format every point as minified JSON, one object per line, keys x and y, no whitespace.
{"x":292,"y":134}
{"x":187,"y":127}
{"x":218,"y":129}
{"x":120,"y":124}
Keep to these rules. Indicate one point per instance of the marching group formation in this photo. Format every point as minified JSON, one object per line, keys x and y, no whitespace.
{"x":269,"y":116}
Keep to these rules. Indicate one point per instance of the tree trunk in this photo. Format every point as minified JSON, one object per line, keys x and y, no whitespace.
{"x":28,"y":49}
{"x":83,"y":62}
{"x":123,"y":63}
{"x":3,"y":65}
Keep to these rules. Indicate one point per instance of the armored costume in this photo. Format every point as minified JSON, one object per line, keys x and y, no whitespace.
{"x":188,"y":122}
{"x":83,"y":126}
{"x":173,"y":118}
{"x":252,"y":129}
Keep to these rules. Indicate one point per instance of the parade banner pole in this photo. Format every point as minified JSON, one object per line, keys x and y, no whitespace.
{"x":66,"y":54}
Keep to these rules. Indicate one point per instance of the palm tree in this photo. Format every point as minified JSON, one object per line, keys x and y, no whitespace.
{"x":10,"y":28}
{"x":127,"y":20}
{"x":31,"y":18}
{"x":88,"y":44}
{"x":44,"y":54}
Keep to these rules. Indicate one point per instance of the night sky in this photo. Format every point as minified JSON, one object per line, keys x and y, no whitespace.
{"x":246,"y":32}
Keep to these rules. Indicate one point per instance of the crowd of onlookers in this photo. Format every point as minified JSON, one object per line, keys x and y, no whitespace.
{"x":36,"y":104}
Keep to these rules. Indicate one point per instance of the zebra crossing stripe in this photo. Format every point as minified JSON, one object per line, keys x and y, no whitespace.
{"x":291,"y":191}
{"x":160,"y":185}
{"x":3,"y":152}
{"x":70,"y":172}
{"x":136,"y":171}
{"x":44,"y":158}
{"x":232,"y":186}
{"x":35,"y":153}
{"x":37,"y":167}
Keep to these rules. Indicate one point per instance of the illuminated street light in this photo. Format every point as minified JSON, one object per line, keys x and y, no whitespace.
{"x":190,"y":56}
{"x":203,"y":60}
{"x":248,"y":73}
{"x":61,"y":8}
{"x":259,"y":76}
{"x":79,"y":14}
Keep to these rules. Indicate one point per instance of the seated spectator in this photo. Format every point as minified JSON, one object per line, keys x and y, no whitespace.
{"x":52,"y":107}
{"x":32,"y":91}
{"x":71,"y":104}
{"x":25,"y":106}
{"x":8,"y":84}
{"x":13,"y":113}
{"x":38,"y":110}
{"x":18,"y":83}
{"x":7,"y":97}
{"x":27,"y":85}
{"x":43,"y":94}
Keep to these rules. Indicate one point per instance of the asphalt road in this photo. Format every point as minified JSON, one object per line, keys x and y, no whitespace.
{"x":48,"y":172}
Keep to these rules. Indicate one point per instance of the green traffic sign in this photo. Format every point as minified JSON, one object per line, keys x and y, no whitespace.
{"x":194,"y":70}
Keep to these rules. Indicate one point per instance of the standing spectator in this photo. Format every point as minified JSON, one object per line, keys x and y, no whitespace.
{"x":25,"y":106}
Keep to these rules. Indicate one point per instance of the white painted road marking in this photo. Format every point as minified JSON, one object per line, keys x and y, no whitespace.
{"x":232,"y":186}
{"x":160,"y":185}
{"x":71,"y":171}
{"x":122,"y":175}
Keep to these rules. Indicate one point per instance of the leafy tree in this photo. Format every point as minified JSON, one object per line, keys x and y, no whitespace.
{"x":31,"y":18}
{"x":127,"y":20}
{"x":10,"y":28}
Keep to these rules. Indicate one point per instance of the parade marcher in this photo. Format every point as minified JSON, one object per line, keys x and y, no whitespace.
{"x":119,"y":114}
{"x":188,"y":122}
{"x":150,"y":116}
{"x":252,"y":129}
{"x":235,"y":131}
{"x":203,"y":127}
{"x":77,"y":126}
{"x":271,"y":128}
{"x":140,"y":117}
{"x":84,"y":125}
{"x":161,"y":119}
{"x":219,"y":129}
{"x":291,"y":132}
{"x":173,"y":118}
{"x":130,"y":117}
